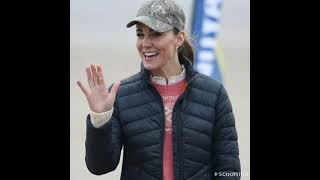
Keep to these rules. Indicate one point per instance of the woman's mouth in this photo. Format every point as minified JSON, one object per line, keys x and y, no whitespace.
{"x":150,"y":55}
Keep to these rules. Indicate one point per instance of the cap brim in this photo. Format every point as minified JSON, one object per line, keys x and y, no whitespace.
{"x":151,"y":22}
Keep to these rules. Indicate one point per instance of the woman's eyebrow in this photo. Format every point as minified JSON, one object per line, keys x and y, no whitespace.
{"x":150,"y":30}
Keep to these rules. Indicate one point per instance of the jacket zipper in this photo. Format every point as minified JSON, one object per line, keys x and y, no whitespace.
{"x":179,"y":132}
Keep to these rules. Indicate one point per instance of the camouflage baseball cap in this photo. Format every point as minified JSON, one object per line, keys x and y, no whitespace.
{"x":160,"y":15}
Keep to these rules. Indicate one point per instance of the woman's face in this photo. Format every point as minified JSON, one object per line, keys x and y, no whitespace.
{"x":157,"y":50}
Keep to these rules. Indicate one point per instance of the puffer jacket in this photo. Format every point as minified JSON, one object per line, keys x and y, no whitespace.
{"x":205,"y":143}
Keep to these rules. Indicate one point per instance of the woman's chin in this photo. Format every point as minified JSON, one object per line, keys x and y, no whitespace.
{"x":149,"y":65}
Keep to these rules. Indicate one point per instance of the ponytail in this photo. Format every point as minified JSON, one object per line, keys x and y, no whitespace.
{"x":185,"y":50}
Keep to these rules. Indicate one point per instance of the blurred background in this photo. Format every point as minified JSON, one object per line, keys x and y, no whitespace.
{"x":98,"y":35}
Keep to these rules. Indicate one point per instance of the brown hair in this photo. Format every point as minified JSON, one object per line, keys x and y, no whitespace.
{"x":186,"y":49}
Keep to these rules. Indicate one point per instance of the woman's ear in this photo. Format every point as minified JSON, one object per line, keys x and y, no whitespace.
{"x":180,"y":39}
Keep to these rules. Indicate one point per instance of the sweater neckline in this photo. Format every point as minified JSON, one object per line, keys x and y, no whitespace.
{"x":171,"y":81}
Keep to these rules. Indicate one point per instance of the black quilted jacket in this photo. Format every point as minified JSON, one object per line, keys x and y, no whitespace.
{"x":204,"y":135}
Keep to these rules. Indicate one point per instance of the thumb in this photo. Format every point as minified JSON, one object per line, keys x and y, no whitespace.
{"x":115,"y":88}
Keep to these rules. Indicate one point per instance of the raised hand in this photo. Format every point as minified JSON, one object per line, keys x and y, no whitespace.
{"x":98,"y":97}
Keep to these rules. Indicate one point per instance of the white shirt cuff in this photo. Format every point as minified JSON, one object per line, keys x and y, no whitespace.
{"x":99,"y":119}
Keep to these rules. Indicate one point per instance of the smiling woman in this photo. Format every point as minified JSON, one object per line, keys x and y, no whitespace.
{"x":172,"y":121}
{"x":158,"y":50}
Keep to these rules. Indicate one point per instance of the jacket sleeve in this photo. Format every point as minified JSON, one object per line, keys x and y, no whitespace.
{"x":104,"y":144}
{"x":226,"y":162}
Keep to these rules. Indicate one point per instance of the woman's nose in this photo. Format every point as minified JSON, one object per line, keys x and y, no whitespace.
{"x":146,"y":42}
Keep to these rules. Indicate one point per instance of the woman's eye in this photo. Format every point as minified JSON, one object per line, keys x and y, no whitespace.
{"x":140,"y":35}
{"x":157,"y":34}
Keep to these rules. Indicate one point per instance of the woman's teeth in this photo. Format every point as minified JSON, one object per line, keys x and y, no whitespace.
{"x":150,"y":54}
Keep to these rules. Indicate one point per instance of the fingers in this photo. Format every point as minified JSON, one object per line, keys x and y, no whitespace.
{"x":115,"y":88}
{"x":100,"y":76}
{"x":94,"y":75}
{"x":84,"y":90}
{"x":89,"y":76}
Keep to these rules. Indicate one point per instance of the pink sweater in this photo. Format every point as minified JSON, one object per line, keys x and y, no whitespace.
{"x":169,"y":93}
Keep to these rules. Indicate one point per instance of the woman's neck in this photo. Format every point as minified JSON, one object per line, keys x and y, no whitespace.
{"x":173,"y":68}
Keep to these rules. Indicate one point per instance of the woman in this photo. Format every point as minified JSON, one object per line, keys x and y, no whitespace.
{"x":174,"y":122}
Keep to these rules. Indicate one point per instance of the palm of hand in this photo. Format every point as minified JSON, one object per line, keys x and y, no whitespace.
{"x":98,"y":97}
